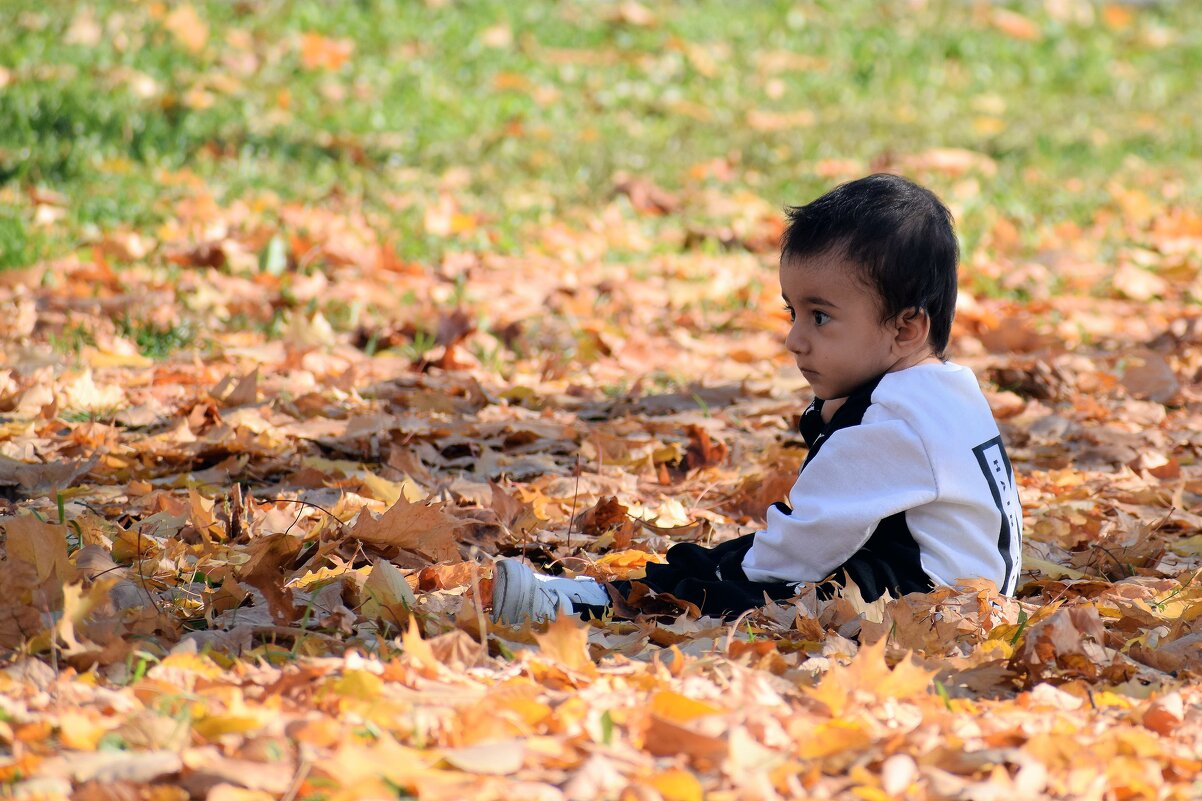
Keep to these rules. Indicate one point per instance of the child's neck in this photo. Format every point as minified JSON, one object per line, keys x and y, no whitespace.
{"x":926,"y":356}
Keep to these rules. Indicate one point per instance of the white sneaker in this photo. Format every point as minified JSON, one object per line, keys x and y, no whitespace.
{"x":519,"y":593}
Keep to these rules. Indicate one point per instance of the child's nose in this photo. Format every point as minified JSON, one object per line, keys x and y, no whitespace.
{"x":795,"y":340}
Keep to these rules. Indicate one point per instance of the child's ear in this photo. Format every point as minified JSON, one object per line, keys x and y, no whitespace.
{"x":913,"y":330}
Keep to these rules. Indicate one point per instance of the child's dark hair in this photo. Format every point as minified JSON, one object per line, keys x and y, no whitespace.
{"x":897,"y":232}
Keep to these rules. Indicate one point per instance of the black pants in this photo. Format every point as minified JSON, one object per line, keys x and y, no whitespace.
{"x":713,"y":578}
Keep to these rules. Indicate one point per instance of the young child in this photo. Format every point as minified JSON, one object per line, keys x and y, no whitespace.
{"x":906,"y":484}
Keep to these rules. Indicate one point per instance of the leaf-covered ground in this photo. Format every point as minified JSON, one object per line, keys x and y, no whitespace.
{"x":259,"y":446}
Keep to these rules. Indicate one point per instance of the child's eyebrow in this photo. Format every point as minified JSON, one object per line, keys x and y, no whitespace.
{"x":813,"y":300}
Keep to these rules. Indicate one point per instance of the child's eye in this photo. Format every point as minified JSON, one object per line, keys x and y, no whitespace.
{"x":821,"y":318}
{"x":792,"y":314}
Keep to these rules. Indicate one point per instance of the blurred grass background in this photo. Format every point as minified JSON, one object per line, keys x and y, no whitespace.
{"x":528,"y":111}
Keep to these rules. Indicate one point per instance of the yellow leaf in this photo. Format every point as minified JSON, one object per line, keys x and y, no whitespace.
{"x":79,"y":731}
{"x":1106,"y":698}
{"x":195,"y":664}
{"x":76,"y":607}
{"x":100,"y":359}
{"x":85,"y":394}
{"x":987,"y":125}
{"x":388,"y":596}
{"x":679,"y":708}
{"x":869,"y":793}
{"x":213,"y":726}
{"x":202,"y":518}
{"x":628,"y":564}
{"x":324,"y":574}
{"x":358,"y":684}
{"x":334,"y":467}
{"x":1000,"y":648}
{"x":390,"y":491}
{"x":418,"y":650}
{"x":833,"y":737}
{"x":677,"y":785}
{"x":497,"y":758}
{"x":1051,"y":569}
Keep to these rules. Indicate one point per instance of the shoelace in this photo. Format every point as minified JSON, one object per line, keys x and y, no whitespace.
{"x":555,"y":598}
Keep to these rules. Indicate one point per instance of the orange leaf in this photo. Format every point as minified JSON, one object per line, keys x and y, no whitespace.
{"x":1015,"y":25}
{"x":1117,"y":17}
{"x":677,"y":785}
{"x":833,"y":737}
{"x":869,"y":673}
{"x":188,"y":28}
{"x":322,"y":53}
{"x":566,"y":643}
{"x":679,"y":708}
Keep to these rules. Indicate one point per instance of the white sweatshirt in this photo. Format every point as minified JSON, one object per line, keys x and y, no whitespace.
{"x":921,"y":447}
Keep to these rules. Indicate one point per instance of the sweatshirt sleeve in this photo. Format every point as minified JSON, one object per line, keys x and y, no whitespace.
{"x":861,"y":475}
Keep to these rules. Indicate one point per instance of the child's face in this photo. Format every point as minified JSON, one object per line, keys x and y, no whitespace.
{"x":837,"y":338}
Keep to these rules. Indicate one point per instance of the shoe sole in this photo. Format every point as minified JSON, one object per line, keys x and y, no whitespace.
{"x":512,"y":592}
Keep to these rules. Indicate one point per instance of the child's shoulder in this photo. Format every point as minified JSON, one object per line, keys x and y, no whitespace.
{"x":929,"y":395}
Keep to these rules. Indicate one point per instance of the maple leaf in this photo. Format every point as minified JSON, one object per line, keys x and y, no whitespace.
{"x":40,"y":544}
{"x":868,"y":673}
{"x":422,"y":528}
{"x":267,"y":571}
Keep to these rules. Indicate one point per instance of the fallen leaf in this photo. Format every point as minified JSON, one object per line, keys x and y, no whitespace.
{"x":423,"y":528}
{"x":565,"y":642}
{"x":186,"y":25}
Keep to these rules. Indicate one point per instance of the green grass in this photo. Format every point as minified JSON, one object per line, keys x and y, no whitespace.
{"x":155,"y":342}
{"x":542,"y":124}
{"x":19,"y":246}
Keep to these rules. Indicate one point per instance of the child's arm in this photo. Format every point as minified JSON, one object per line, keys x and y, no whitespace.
{"x":862,"y":475}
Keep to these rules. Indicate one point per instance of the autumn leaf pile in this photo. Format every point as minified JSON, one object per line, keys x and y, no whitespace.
{"x":256,"y":565}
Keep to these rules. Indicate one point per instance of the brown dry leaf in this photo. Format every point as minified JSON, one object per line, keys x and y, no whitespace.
{"x":608,"y":514}
{"x":644,"y":195}
{"x":1057,"y":646}
{"x":20,"y":616}
{"x":422,"y":528}
{"x":267,"y":571}
{"x":246,"y":519}
{"x":1148,"y":375}
{"x":39,"y":544}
